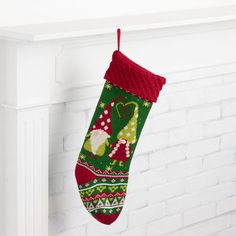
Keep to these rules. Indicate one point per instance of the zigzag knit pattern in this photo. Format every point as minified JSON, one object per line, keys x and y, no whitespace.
{"x":102,"y":192}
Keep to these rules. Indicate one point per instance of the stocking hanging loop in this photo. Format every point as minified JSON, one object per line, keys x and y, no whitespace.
{"x":104,"y":160}
{"x":118,"y":39}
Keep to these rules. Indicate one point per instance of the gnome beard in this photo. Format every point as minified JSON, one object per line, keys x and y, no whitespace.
{"x":98,"y":138}
{"x":100,"y":131}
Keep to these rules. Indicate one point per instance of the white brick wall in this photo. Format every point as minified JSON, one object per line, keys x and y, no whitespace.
{"x":199,"y":214}
{"x":208,"y":227}
{"x":165,"y":225}
{"x":182,"y":177}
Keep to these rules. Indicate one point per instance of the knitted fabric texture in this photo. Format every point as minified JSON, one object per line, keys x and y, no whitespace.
{"x":102,"y":168}
{"x":128,"y":75}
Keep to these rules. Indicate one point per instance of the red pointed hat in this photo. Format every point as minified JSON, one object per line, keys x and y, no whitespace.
{"x":104,"y":120}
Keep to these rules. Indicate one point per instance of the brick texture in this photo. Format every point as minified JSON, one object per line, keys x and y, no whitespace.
{"x":182,"y":176}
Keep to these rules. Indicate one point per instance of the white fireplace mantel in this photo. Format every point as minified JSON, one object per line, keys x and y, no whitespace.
{"x":132,"y":23}
{"x":32,"y":79}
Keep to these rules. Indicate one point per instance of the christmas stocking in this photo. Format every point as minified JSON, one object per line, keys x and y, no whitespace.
{"x":103,"y":164}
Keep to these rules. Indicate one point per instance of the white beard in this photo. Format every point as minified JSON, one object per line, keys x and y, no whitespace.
{"x":97,"y":138}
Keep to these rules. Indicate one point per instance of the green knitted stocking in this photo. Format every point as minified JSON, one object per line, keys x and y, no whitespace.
{"x":104,"y":161}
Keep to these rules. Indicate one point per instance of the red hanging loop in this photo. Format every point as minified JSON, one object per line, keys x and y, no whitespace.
{"x":118,"y":39}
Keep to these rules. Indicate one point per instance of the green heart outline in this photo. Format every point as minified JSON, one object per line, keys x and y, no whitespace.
{"x":125,"y":104}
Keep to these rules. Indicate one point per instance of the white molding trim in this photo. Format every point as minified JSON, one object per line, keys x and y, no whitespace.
{"x":131,"y":23}
{"x":25,"y":134}
{"x":26,"y":172}
{"x":26,"y":107}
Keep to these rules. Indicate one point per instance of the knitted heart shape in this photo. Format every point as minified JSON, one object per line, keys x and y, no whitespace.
{"x":101,"y":188}
{"x":123,"y":187}
{"x":89,"y":192}
{"x":113,"y":188}
{"x":125,"y":110}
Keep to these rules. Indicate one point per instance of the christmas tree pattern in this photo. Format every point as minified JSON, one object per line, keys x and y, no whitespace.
{"x":121,"y":150}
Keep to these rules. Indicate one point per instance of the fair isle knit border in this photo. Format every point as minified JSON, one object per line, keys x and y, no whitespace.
{"x":102,"y":173}
{"x":98,"y":208}
{"x":104,"y":195}
{"x":102,"y":184}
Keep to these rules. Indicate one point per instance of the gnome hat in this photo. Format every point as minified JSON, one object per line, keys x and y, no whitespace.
{"x":121,"y":150}
{"x":104,"y":121}
{"x":129,"y":131}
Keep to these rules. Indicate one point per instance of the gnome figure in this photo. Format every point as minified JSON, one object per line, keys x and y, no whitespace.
{"x":121,"y":150}
{"x":100,"y":132}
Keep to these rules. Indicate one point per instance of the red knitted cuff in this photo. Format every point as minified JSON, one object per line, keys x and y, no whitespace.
{"x":128,"y":75}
